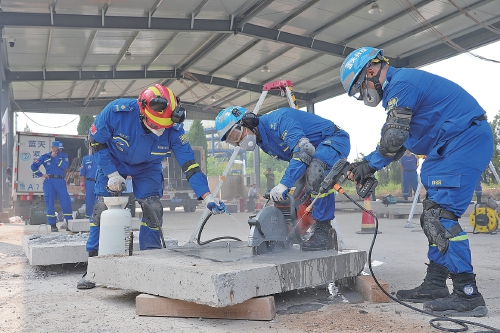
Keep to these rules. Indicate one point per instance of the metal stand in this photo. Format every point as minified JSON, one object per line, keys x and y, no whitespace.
{"x":412,"y":211}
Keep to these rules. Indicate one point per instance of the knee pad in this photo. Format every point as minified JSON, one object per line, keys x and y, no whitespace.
{"x":152,"y":211}
{"x":432,"y":227}
{"x":99,"y":207}
{"x":315,"y":174}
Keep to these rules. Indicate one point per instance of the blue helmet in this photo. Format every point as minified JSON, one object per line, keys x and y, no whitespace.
{"x":355,"y":63}
{"x":227,"y":118}
{"x":57,"y":144}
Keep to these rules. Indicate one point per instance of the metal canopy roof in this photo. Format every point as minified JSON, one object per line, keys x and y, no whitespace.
{"x":73,"y":57}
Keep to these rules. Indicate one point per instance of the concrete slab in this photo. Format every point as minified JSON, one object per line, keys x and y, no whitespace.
{"x":83,"y":225}
{"x":78,"y":225}
{"x":219,"y":274}
{"x":60,"y":248}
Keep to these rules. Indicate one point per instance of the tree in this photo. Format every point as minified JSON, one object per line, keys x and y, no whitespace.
{"x":196,"y":136}
{"x":84,"y":125}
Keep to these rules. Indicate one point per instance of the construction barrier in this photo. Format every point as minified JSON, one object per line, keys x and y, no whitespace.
{"x":367,"y":221}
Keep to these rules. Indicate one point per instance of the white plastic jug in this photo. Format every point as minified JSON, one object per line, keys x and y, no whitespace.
{"x":116,"y":224}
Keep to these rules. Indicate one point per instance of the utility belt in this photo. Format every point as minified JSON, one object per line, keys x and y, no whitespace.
{"x":56,"y":176}
{"x":91,"y":179}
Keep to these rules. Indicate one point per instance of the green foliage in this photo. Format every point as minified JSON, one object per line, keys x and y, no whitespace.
{"x":196,"y":136}
{"x":84,"y":124}
{"x":390,"y":174}
{"x":214,"y":166}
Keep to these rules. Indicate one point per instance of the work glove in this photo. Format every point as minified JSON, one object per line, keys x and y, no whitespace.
{"x":215,"y":205}
{"x":360,"y":171}
{"x":278,"y":193}
{"x":116,"y":183}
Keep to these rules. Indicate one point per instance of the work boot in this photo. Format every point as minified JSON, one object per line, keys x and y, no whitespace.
{"x":464,"y":301}
{"x":53,"y":228}
{"x":84,"y":284}
{"x":321,"y":239}
{"x":433,"y":287}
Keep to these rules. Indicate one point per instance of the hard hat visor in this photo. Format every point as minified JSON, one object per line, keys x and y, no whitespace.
{"x":234,"y":135}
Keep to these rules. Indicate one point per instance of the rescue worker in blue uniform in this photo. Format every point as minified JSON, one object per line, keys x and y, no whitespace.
{"x":310,"y":143}
{"x":429,"y":115}
{"x":88,"y":171}
{"x":54,"y":185}
{"x":409,"y":164}
{"x":132,"y":137}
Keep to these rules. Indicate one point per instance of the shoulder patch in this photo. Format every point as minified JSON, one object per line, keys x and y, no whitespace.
{"x":273,"y":126}
{"x":183,"y":139}
{"x":392,"y":103}
{"x":124,"y":105}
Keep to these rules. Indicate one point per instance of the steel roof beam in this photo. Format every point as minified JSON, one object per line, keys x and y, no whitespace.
{"x":74,"y":21}
{"x":22,"y":76}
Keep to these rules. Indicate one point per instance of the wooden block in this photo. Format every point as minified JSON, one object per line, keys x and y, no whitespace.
{"x":366,"y":286}
{"x":261,"y":308}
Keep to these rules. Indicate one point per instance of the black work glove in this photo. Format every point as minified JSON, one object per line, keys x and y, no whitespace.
{"x":361,"y":171}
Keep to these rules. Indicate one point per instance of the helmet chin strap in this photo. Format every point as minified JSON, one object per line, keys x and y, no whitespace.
{"x":376,"y":81}
{"x":158,"y":132}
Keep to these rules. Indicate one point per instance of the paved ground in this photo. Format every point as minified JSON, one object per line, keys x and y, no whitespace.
{"x":44,"y":299}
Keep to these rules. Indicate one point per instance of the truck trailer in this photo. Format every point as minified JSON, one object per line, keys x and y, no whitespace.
{"x":176,"y":189}
{"x":27,"y":190}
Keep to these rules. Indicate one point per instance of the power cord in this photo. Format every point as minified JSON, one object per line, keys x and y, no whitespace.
{"x":432,"y":322}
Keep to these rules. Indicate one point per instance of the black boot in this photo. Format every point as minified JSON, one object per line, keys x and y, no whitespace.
{"x":53,"y":228}
{"x":321,"y":239}
{"x":84,"y":284}
{"x":465,"y":301}
{"x":433,"y":287}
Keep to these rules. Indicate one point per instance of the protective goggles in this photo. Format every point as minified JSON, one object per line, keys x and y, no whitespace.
{"x":235,"y":134}
{"x":158,"y":104}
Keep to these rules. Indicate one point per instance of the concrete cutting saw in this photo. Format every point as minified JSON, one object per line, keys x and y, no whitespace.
{"x":286,"y":223}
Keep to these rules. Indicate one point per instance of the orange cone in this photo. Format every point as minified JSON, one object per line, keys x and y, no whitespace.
{"x":367,"y":221}
{"x":258,"y":206}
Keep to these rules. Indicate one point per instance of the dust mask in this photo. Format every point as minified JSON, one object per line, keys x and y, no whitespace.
{"x":249,"y":142}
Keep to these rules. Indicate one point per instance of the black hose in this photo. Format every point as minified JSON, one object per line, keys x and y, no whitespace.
{"x":460,"y":322}
{"x":213,"y":239}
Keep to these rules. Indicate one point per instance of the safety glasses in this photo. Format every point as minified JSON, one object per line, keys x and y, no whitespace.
{"x":158,"y":104}
{"x":235,"y":134}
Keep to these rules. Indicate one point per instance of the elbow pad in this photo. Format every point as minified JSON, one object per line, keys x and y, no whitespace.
{"x":190,"y":168}
{"x":304,"y":151}
{"x":395,"y":131}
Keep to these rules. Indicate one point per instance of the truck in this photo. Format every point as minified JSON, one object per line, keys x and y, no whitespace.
{"x":27,"y":190}
{"x":176,"y":189}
